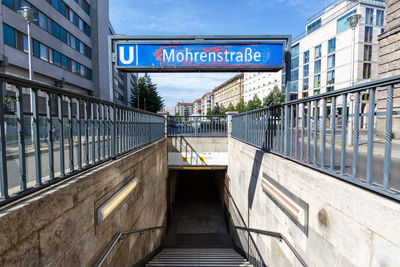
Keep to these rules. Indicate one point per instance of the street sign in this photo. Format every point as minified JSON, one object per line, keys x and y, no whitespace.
{"x":169,"y":56}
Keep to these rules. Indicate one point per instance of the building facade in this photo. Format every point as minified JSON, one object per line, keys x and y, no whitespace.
{"x":207,"y":103}
{"x":197,"y":106}
{"x":261,"y":84}
{"x":389,"y":62}
{"x":230,"y":92}
{"x":69,"y":46}
{"x":321,"y":59}
{"x":184,"y":109}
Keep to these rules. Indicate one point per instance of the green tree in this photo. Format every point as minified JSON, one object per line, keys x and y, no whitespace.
{"x":230,"y":107}
{"x":134,"y":95}
{"x":275,"y":97}
{"x":240,"y":106}
{"x":149,"y":98}
{"x":255,"y":103}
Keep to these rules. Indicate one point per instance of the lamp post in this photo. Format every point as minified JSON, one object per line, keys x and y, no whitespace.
{"x":28,"y":15}
{"x":353,"y":21}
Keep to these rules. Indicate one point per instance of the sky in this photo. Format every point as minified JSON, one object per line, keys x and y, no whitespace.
{"x":207,"y":17}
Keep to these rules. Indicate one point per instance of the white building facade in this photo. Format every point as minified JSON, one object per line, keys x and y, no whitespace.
{"x":261,"y":84}
{"x":321,"y":59}
{"x":207,"y":103}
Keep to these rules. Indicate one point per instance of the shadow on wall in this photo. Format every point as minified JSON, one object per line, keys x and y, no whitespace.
{"x":179,"y":144}
{"x":254,"y":176}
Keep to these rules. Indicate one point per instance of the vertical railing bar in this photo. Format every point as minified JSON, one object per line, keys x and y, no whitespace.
{"x":103,"y":118}
{"x":93,"y":133}
{"x":343,"y":137}
{"x":296,"y":144}
{"x":70,"y":135}
{"x":316,"y":115}
{"x":3,"y":151}
{"x":333,"y":133}
{"x":36,"y":136}
{"x":388,"y":138}
{"x":85,"y":111}
{"x":61,"y":134}
{"x":356,"y":134}
{"x":323,"y":133}
{"x":113,"y":131}
{"x":98,"y":126}
{"x":79,"y":132}
{"x":291,"y":131}
{"x":370,"y":148}
{"x":303,"y":124}
{"x":21,"y":138}
{"x":309,"y":132}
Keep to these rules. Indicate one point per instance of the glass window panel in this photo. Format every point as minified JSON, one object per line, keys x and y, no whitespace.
{"x":73,"y":42}
{"x":44,"y":52}
{"x":87,"y":30}
{"x":51,"y":55}
{"x":331,"y":61}
{"x":305,"y":84}
{"x":81,"y":24}
{"x":57,"y":58}
{"x":342,"y":23}
{"x":9,"y":35}
{"x":367,"y":70}
{"x":25,"y":43}
{"x":89,"y":74}
{"x":83,"y":71}
{"x":317,"y":81}
{"x":74,"y":68}
{"x":369,"y":16}
{"x":56,"y":30}
{"x":330,"y":77}
{"x":379,"y":17}
{"x":318,"y":51}
{"x":71,"y":16}
{"x":54,"y":3}
{"x":305,"y":70}
{"x":367,"y":52}
{"x":49,"y":26}
{"x":87,"y":8}
{"x":88,"y":52}
{"x":64,"y":62}
{"x":36,"y":49}
{"x":8,"y":3}
{"x":42,"y":21}
{"x":331,"y":45}
{"x":306,"y":57}
{"x":81,"y":48}
{"x":63,"y":35}
{"x":294,"y":75}
{"x":295,"y":62}
{"x":317,"y":66}
{"x":368,"y":34}
{"x":62,"y":8}
{"x":295,"y":50}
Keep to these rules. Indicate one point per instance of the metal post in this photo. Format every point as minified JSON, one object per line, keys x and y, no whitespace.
{"x":343,"y":137}
{"x":3,"y":158}
{"x":36,"y":136}
{"x":356,"y":135}
{"x":370,"y":152}
{"x":388,"y":138}
{"x":21,"y":138}
{"x":287,"y":97}
{"x":333,"y":133}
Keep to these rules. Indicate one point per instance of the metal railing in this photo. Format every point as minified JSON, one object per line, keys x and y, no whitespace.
{"x":49,"y":134}
{"x":319,"y":133}
{"x":121,"y":236}
{"x":276,"y":235}
{"x":197,"y":126}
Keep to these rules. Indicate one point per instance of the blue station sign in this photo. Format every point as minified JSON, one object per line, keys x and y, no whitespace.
{"x":173,"y":56}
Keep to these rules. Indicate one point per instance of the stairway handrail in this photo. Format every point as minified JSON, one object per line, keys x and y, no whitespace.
{"x":121,"y":235}
{"x":276,"y":235}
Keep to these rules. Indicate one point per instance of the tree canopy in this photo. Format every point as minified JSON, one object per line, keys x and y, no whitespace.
{"x":149,"y":99}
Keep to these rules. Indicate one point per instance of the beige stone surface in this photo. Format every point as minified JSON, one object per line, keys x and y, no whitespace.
{"x":57,"y":227}
{"x":359,"y":228}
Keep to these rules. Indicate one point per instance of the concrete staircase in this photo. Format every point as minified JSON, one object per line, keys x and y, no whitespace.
{"x":187,"y":257}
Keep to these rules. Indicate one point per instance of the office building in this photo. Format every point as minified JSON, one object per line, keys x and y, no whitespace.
{"x":207,"y":103}
{"x":184,"y":109}
{"x":229,"y":92}
{"x":261,"y":84}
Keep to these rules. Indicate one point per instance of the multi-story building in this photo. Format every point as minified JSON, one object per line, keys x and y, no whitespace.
{"x":184,"y":109}
{"x":207,"y":103}
{"x":69,"y":45}
{"x":170,"y":110}
{"x":261,"y":84}
{"x":230,"y":92}
{"x":321,"y":58}
{"x":197,"y":106}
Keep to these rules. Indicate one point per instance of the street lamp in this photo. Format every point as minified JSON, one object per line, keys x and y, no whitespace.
{"x":353,"y":21}
{"x":29,"y":17}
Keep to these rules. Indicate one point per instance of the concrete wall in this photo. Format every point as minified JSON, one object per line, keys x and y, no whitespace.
{"x":347,"y":225}
{"x":57,"y":227}
{"x":389,"y":63}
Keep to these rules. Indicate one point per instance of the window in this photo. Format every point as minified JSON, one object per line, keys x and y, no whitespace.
{"x":379,"y":17}
{"x":56,"y":30}
{"x":305,"y":84}
{"x":9,"y":3}
{"x":42,"y":21}
{"x":49,"y":25}
{"x":8,"y":35}
{"x":63,"y":35}
{"x":54,"y":3}
{"x":87,"y":30}
{"x":294,"y":75}
{"x":369,"y":16}
{"x":88,"y":52}
{"x":317,"y":66}
{"x":305,"y":94}
{"x":318,"y":51}
{"x":89,"y":74}
{"x":295,"y":51}
{"x":331,"y":45}
{"x":25,"y":43}
{"x":83,"y":71}
{"x":368,"y":34}
{"x":71,"y":16}
{"x":57,"y":58}
{"x":330,"y":88}
{"x":305,"y":70}
{"x":317,"y":81}
{"x":367,"y":70}
{"x":80,"y":24}
{"x":295,"y":63}
{"x":62,"y":8}
{"x":342,"y":23}
{"x":51,"y":55}
{"x":367,"y":52}
{"x":64,"y":62}
{"x":74,"y":68}
{"x":316,"y":92}
{"x":331,"y":61}
{"x":313,"y":26}
{"x":44,"y":52}
{"x":81,"y":48}
{"x":330,"y":77}
{"x":36,"y":48}
{"x":73,"y":42}
{"x":306,"y":57}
